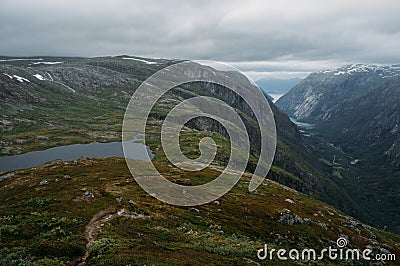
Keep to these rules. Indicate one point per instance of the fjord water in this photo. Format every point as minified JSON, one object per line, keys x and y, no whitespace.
{"x":72,"y":152}
{"x":302,"y":125}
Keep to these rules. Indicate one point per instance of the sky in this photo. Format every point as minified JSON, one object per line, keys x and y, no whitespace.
{"x":267,"y":38}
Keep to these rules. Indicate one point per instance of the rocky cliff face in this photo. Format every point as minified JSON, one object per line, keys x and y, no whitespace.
{"x":354,"y":106}
{"x":315,"y":98}
{"x":369,"y":123}
{"x":356,"y":110}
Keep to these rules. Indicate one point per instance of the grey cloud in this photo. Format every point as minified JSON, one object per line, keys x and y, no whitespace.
{"x":235,"y":31}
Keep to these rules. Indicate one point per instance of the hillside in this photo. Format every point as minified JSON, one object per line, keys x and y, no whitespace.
{"x":93,"y":213}
{"x":58,"y":101}
{"x":43,"y":112}
{"x":316,"y":97}
{"x":356,"y":111}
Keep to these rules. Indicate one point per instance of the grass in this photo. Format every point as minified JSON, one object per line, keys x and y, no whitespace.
{"x":47,"y":222}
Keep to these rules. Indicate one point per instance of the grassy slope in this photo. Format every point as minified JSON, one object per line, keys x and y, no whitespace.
{"x":47,"y":223}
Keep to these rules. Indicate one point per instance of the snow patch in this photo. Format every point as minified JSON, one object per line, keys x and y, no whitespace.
{"x":141,"y":60}
{"x":47,"y":63}
{"x":339,"y":73}
{"x":39,"y":77}
{"x":7,"y":75}
{"x":382,"y":71}
{"x":20,"y":59}
{"x":20,"y":79}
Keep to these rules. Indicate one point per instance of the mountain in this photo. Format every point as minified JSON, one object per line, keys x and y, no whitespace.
{"x":57,"y":98}
{"x":372,"y":119}
{"x":277,"y":86}
{"x":356,"y":110}
{"x":64,"y":211}
{"x":317,"y":96}
{"x":50,"y":102}
{"x":355,"y":106}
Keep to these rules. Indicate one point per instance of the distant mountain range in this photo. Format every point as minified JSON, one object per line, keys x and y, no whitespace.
{"x":316,"y":97}
{"x":356,"y":108}
{"x":277,"y":86}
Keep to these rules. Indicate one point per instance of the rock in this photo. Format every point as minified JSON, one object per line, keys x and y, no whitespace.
{"x":254,"y":192}
{"x":6,"y":122}
{"x":216,"y":203}
{"x":323,"y":225}
{"x":20,"y":141}
{"x":6,"y":176}
{"x":119,"y":200}
{"x":132,"y":202}
{"x":290,"y":201}
{"x":187,"y":182}
{"x":89,"y":194}
{"x":56,"y":161}
{"x":75,"y":163}
{"x":44,"y":182}
{"x":194,"y":209}
{"x":42,"y":137}
{"x":352,"y":225}
{"x":7,"y":150}
{"x":67,"y":177}
{"x":287,"y":218}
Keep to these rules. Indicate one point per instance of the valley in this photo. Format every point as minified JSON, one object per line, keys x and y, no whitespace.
{"x":356,"y":113}
{"x":57,"y":213}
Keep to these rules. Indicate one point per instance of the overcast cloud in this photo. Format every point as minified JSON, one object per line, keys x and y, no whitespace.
{"x":277,"y":38}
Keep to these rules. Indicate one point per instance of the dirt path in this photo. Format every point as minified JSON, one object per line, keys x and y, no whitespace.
{"x":94,"y":225}
{"x":98,"y":220}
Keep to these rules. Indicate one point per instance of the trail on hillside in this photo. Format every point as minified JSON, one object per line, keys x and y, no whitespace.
{"x":98,"y":221}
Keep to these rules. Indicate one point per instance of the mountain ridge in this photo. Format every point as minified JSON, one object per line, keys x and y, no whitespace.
{"x":356,"y":110}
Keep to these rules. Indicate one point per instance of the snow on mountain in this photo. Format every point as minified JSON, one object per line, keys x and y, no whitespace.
{"x":18,"y":78}
{"x":141,"y":60}
{"x":382,"y":71}
{"x":8,"y":75}
{"x":46,"y":63}
{"x":39,"y":77}
{"x":21,"y":59}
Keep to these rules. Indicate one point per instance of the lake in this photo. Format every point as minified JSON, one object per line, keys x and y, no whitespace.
{"x":73,"y":152}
